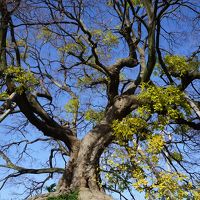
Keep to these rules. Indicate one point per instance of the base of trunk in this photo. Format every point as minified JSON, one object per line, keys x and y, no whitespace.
{"x":84,"y":194}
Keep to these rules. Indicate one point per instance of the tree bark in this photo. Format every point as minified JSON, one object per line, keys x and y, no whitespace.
{"x":82,"y":171}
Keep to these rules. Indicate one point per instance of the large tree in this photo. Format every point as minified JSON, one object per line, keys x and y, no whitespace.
{"x":108,"y":88}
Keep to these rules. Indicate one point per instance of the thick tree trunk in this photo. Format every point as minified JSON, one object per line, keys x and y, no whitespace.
{"x":82,"y":171}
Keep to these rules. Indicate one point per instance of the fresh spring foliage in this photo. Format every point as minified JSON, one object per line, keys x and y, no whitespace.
{"x":168,"y":102}
{"x":94,"y":116}
{"x":108,"y":39}
{"x":142,"y":139}
{"x":24,"y":80}
{"x":72,"y":105}
{"x":179,"y":64}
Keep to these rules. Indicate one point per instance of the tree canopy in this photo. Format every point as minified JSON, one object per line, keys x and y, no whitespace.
{"x":100,"y":96}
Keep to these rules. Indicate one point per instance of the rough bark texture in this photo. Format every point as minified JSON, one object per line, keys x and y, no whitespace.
{"x":82,"y":170}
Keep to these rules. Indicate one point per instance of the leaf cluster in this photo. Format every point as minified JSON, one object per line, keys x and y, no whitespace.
{"x":129,"y":126}
{"x":72,"y":105}
{"x":24,"y":80}
{"x":169,"y":101}
{"x":180,"y":65}
{"x":94,"y":116}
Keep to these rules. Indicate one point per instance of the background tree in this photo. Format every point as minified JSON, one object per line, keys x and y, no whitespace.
{"x":108,"y":88}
